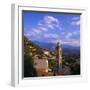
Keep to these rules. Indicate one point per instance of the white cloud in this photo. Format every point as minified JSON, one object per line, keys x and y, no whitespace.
{"x":37,"y":31}
{"x":42,"y":28}
{"x":76,"y":43}
{"x":72,"y":42}
{"x":30,"y":35}
{"x":75,"y":18}
{"x":47,"y":23}
{"x":68,"y":35}
{"x":55,"y":41}
{"x":51,"y":36}
{"x":76,"y":32}
{"x":26,"y":34}
{"x":63,"y":33}
{"x":75,"y":21}
{"x":40,"y":23}
{"x":50,"y":22}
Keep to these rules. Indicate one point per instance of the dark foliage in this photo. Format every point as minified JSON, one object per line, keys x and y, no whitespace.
{"x":75,"y":70}
{"x":72,"y":61}
{"x":29,"y":70}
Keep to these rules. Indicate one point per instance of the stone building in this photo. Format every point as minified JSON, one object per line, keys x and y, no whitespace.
{"x":41,"y":66}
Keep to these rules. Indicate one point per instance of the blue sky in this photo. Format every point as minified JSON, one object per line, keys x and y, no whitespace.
{"x":52,"y":27}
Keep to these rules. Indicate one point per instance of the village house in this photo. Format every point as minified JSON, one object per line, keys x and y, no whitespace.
{"x":46,"y":51}
{"x":41,"y":66}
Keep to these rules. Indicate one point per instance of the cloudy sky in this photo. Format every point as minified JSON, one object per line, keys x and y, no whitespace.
{"x":52,"y":27}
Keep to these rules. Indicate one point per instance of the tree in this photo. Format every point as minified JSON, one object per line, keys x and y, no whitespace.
{"x":51,"y":63}
{"x":29,"y":70}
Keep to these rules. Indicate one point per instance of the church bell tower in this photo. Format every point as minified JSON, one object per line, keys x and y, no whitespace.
{"x":59,"y":56}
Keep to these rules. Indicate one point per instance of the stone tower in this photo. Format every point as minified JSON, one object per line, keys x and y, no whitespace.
{"x":59,"y":56}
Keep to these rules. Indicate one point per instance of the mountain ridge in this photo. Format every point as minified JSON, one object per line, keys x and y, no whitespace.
{"x":65,"y":48}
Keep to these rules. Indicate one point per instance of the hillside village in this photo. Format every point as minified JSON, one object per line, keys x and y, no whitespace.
{"x":43,"y":60}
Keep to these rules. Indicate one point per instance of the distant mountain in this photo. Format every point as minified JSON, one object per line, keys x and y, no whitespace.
{"x":65,"y":48}
{"x":49,"y":46}
{"x":70,"y":49}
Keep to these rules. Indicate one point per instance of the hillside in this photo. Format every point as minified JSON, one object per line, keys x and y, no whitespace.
{"x":31,"y":48}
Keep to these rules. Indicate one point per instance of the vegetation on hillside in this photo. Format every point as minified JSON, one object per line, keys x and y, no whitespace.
{"x":73,"y":62}
{"x":29,"y":70}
